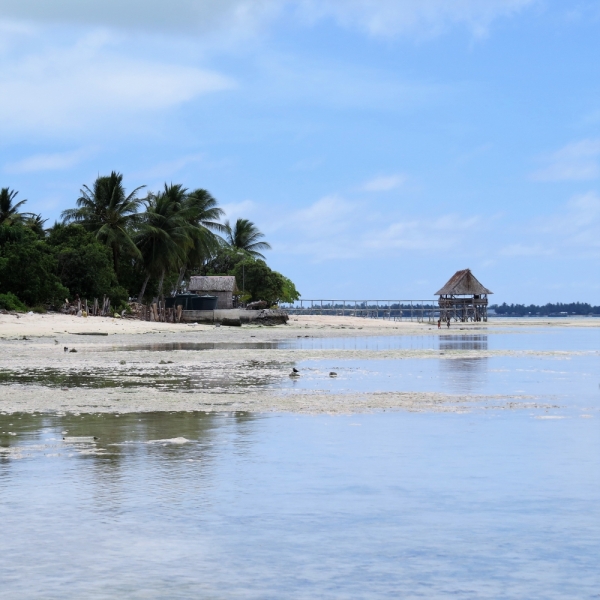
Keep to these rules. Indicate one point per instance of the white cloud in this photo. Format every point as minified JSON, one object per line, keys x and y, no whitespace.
{"x":334,"y":84}
{"x":87,"y":84}
{"x":334,"y":228}
{"x":577,"y":161}
{"x":445,"y":232}
{"x":577,"y":226}
{"x":237,"y":210}
{"x":384,"y":183}
{"x":572,"y":231}
{"x":47,"y":162}
{"x":376,"y":17}
{"x":429,"y":17}
{"x":328,"y":216}
{"x":174,"y":16}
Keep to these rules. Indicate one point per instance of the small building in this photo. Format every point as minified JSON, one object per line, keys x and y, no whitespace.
{"x":224,"y":287}
{"x":463,"y":298}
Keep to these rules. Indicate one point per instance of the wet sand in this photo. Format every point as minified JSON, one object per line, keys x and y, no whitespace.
{"x":110,"y":374}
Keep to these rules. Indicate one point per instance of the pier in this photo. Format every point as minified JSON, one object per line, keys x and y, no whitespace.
{"x":394,"y":310}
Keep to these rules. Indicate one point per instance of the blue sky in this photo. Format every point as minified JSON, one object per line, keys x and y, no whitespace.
{"x":379,"y":144}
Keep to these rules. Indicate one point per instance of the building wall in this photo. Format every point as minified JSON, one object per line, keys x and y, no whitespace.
{"x":224,"y":299}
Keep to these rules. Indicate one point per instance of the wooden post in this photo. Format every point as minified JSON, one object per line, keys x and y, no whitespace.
{"x":179,"y":312}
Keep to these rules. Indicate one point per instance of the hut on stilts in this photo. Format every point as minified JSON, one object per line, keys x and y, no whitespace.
{"x":463,"y":298}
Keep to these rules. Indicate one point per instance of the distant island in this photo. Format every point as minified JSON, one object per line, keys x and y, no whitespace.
{"x":546,"y":310}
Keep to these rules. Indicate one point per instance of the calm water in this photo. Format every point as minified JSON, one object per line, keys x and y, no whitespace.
{"x":490,"y":504}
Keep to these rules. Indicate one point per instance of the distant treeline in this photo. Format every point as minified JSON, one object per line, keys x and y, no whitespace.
{"x":573,"y":308}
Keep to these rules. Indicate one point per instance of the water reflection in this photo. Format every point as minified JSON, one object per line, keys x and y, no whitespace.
{"x":115,"y":454}
{"x":193,"y":346}
{"x":272,"y":507}
{"x":464,"y":375}
{"x":464,"y":342}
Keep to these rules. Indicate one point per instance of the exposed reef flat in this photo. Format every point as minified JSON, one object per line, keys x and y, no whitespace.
{"x":145,"y":366}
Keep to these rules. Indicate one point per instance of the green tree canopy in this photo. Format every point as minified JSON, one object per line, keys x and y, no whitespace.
{"x":245,"y":235}
{"x":109,"y":213}
{"x":84,"y":265}
{"x":262,"y":283}
{"x":9,"y":212}
{"x":28,"y":268}
{"x":163,"y":235}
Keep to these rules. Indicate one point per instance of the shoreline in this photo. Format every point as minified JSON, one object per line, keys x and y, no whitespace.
{"x":56,"y":324}
{"x":238,"y":369}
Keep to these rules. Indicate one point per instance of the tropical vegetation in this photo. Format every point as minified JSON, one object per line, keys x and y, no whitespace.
{"x":138,"y":245}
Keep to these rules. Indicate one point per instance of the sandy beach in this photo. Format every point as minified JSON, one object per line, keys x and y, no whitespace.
{"x":238,"y":369}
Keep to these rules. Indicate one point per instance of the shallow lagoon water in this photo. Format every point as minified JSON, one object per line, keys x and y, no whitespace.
{"x":573,"y":380}
{"x":371,"y":506}
{"x":479,"y":338}
{"x":489,"y":504}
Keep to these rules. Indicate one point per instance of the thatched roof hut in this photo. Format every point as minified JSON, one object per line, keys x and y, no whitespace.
{"x":224,"y":287}
{"x":463,"y":298}
{"x":463,"y":283}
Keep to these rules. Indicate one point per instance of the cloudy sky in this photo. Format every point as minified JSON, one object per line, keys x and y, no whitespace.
{"x":379,"y":144}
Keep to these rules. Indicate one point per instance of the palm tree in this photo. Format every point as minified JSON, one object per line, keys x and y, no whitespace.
{"x":163,"y":234}
{"x":245,"y":235}
{"x":109,"y":213}
{"x":35,"y":223}
{"x":9,"y":212}
{"x":202,"y":214}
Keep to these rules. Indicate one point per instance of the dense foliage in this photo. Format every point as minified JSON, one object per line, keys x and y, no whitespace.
{"x":28,"y":267}
{"x":122,"y":245}
{"x":254,"y":278}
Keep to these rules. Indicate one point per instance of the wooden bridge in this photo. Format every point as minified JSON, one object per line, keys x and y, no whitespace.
{"x":395,"y":310}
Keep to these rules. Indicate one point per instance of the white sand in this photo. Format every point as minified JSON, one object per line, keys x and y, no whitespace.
{"x":53,"y":324}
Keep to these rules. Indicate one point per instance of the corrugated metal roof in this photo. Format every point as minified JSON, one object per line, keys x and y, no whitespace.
{"x":463,"y":283}
{"x":213,"y":283}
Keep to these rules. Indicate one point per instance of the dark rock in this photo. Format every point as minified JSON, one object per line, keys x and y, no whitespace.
{"x":231,"y":322}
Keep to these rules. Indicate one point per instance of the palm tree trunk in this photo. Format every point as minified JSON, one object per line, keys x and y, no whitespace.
{"x":180,"y":279}
{"x":115,"y":252}
{"x":143,"y":291}
{"x":160,"y":283}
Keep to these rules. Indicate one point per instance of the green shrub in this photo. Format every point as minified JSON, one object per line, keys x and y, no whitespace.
{"x":85,"y":266}
{"x":9,"y":301}
{"x":28,"y":268}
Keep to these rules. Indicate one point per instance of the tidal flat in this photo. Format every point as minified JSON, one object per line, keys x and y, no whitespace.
{"x":165,"y":461}
{"x":345,"y":365}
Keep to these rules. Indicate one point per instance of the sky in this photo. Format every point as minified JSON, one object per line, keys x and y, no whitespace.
{"x":380,"y":145}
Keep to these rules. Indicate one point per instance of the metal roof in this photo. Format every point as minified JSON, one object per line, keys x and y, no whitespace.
{"x":463,"y":283}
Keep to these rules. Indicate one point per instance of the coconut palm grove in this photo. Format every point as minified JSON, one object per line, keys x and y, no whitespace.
{"x":137,"y":245}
